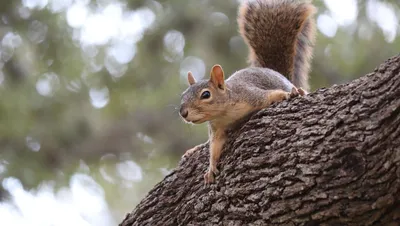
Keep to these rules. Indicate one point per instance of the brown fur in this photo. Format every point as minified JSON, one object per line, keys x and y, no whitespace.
{"x":231,"y":100}
{"x":280,"y":35}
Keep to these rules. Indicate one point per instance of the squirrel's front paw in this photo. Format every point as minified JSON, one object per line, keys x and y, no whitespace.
{"x":209,"y":177}
{"x":214,"y":169}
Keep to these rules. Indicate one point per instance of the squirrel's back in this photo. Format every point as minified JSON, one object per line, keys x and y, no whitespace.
{"x":280,"y":35}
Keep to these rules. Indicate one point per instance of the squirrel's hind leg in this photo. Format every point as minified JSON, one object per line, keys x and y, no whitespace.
{"x":274,"y":96}
{"x":280,"y":95}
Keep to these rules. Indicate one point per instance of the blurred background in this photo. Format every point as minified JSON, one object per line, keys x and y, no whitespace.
{"x":89,"y":90}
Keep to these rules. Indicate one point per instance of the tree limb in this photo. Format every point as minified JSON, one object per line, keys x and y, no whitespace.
{"x":329,"y":158}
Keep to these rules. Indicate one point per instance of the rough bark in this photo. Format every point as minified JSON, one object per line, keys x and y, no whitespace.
{"x":330,"y":158}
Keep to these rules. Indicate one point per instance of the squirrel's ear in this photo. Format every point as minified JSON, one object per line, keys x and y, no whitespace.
{"x":217,"y":76}
{"x":191,"y":79}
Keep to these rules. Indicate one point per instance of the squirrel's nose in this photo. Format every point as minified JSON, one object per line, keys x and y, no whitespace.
{"x":183,"y":112}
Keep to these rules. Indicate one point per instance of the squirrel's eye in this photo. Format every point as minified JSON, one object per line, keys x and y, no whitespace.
{"x":205,"y":95}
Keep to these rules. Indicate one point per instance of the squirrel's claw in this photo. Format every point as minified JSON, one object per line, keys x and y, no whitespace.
{"x":214,"y":170}
{"x":294,"y":92}
{"x":302,"y":92}
{"x":297,"y":92}
{"x":209,"y":177}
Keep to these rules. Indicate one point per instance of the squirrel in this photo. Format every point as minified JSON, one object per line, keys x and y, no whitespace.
{"x":280,"y":35}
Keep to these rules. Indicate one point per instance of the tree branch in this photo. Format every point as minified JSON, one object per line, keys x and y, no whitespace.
{"x":329,"y":158}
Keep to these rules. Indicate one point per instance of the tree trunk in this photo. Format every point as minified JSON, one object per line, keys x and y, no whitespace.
{"x":329,"y":158}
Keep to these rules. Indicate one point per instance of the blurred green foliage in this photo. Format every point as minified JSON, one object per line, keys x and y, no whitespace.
{"x":76,"y":91}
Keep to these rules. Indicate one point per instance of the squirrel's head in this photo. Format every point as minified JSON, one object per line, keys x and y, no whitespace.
{"x":204,"y":100}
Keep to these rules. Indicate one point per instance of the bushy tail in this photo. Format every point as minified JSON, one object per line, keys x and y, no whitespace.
{"x":280,"y":35}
